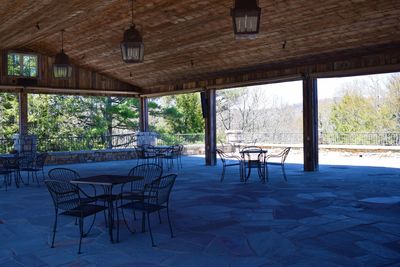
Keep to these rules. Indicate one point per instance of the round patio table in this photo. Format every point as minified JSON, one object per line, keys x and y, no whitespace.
{"x":249,"y":162}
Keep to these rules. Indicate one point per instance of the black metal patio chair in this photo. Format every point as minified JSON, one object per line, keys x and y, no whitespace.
{"x":145,"y":155}
{"x":67,"y":201}
{"x":32,"y":164}
{"x":281,"y":156}
{"x":5,"y":174}
{"x":155,"y":198}
{"x":67,"y":175}
{"x":229,"y":161}
{"x":134,"y":191}
{"x":12,"y":164}
{"x":63,"y":174}
{"x":171,"y":155}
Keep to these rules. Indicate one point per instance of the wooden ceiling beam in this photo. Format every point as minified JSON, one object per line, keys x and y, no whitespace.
{"x":372,"y":60}
{"x":66,"y":91}
{"x":192,"y":40}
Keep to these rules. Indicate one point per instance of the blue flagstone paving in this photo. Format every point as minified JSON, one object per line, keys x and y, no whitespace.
{"x":338,"y":216}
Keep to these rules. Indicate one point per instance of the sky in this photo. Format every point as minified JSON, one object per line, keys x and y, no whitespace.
{"x":291,"y":92}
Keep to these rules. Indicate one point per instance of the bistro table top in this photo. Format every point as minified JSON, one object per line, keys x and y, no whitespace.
{"x":107,"y":180}
{"x":8,"y":155}
{"x":253,"y":150}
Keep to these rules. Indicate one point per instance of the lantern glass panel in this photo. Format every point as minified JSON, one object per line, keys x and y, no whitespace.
{"x":62,"y":71}
{"x":132,"y":51}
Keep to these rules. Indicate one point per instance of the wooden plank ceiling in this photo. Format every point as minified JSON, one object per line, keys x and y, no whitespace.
{"x":190,"y":40}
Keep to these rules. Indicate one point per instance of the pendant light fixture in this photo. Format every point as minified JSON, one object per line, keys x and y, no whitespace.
{"x":61,"y":67}
{"x":132,"y":47}
{"x":246,"y":18}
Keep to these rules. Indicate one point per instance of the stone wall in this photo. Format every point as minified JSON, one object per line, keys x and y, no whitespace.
{"x":59,"y":158}
{"x":56,"y":158}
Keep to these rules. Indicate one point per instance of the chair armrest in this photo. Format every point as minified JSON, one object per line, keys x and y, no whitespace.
{"x":233,"y":157}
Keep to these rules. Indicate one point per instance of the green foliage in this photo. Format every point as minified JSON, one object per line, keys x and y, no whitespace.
{"x":357,"y":113}
{"x":184,"y":114}
{"x":8,"y":115}
{"x":354,"y":113}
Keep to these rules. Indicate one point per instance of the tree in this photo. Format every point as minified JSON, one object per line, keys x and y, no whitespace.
{"x":183,"y":115}
{"x":354,"y":113}
{"x":8,"y":115}
{"x":226,"y":100}
{"x":393,"y":101}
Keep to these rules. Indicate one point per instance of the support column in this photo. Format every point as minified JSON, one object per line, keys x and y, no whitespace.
{"x":23,"y":113}
{"x":310,"y":123}
{"x":210,"y":127}
{"x":144,"y":115}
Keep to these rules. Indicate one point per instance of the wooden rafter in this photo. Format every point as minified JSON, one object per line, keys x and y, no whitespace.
{"x":191,"y":42}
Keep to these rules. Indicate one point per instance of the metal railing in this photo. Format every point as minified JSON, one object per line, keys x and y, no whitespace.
{"x":375,"y":139}
{"x":183,"y":139}
{"x":327,"y":138}
{"x":273,"y":138}
{"x":76,"y":143}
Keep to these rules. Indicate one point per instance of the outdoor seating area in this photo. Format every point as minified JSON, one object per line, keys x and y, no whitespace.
{"x":253,"y":157}
{"x":16,"y":166}
{"x":342,"y":215}
{"x":199,"y":133}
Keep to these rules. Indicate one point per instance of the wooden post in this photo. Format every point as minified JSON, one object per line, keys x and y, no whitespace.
{"x":210,"y":127}
{"x":23,"y":113}
{"x":144,"y":115}
{"x":310,"y":123}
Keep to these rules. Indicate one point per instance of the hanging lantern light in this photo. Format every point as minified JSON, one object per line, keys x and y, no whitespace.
{"x":246,"y":18}
{"x":61,"y":67}
{"x":132,"y":47}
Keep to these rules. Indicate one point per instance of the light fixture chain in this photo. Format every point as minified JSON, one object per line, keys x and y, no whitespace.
{"x":62,"y":40}
{"x":132,"y":11}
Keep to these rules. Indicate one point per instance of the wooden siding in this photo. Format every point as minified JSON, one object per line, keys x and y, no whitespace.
{"x":83,"y":81}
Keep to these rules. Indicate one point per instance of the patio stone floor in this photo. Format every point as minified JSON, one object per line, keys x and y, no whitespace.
{"x":339,"y":216}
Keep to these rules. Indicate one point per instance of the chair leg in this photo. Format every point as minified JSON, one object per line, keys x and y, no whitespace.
{"x":169,"y":223}
{"x":90,"y":227}
{"x":37,"y":178}
{"x":54,"y":229}
{"x":105,"y":217}
{"x":116,"y":209}
{"x":248,"y":174}
{"x":143,"y":222}
{"x":159,"y":216}
{"x":126,"y":221}
{"x":284,"y":173}
{"x":80,"y":234}
{"x":151,"y":234}
{"x":223,"y":173}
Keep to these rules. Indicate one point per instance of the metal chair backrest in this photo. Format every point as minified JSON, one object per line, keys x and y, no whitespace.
{"x":63,"y":174}
{"x":284,"y":153}
{"x":222,"y":155}
{"x":12,"y":163}
{"x":160,"y":189}
{"x":65,"y":195}
{"x":41,"y":160}
{"x":149,"y":172}
{"x":26,"y":160}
